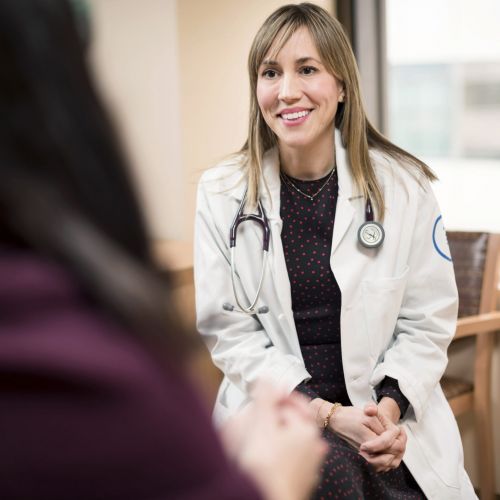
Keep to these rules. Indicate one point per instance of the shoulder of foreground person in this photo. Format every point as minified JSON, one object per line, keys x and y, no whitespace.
{"x":89,"y":412}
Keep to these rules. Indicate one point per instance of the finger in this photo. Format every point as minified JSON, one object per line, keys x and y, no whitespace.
{"x":396,"y":453}
{"x":403,"y":437}
{"x":300,"y":403}
{"x":290,"y":415}
{"x":265,"y":405}
{"x":267,"y":391}
{"x":382,"y":442}
{"x":399,"y":445}
{"x":231,"y":435}
{"x":397,"y":448}
{"x":259,"y":391}
{"x":294,"y":421}
{"x":385,"y":463}
{"x":394,"y":464}
{"x":374,"y":424}
{"x":380,"y":462}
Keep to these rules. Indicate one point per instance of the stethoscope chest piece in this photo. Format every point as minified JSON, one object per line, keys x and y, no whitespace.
{"x":371,"y":234}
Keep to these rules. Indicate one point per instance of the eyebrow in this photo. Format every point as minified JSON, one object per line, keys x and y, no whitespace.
{"x":301,"y":60}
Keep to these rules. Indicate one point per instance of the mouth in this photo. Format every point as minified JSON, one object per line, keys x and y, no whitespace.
{"x":294,"y":117}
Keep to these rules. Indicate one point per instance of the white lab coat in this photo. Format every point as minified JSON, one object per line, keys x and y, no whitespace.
{"x":399,"y":306}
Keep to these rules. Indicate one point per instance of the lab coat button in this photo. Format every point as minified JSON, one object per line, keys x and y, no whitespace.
{"x":281,"y":317}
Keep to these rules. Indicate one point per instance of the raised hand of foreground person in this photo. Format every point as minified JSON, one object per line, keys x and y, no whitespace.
{"x":275,"y":440}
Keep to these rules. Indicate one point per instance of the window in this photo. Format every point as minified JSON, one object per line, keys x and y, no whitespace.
{"x":443,"y":99}
{"x":444,"y":77}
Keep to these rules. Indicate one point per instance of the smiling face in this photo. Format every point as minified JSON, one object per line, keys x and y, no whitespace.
{"x":297,"y":96}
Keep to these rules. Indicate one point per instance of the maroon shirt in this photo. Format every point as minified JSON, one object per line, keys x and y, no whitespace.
{"x":85,"y":410}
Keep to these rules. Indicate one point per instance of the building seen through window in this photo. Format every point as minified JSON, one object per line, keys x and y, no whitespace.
{"x":444,"y":77}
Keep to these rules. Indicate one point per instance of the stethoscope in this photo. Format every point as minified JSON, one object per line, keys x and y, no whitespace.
{"x":371,"y":234}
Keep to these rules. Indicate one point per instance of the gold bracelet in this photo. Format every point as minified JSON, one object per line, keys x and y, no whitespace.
{"x":333,"y":409}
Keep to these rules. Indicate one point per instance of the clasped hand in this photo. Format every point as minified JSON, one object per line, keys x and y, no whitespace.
{"x":374,"y":432}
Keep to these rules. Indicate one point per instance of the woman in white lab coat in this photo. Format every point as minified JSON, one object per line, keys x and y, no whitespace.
{"x":358,"y":302}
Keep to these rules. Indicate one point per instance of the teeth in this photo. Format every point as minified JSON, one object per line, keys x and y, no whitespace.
{"x":294,"y":116}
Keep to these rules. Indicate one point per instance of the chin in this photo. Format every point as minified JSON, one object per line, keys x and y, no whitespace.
{"x":296,"y":142}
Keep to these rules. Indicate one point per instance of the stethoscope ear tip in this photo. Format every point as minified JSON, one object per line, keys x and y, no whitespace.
{"x":263,"y":310}
{"x":227,"y":307}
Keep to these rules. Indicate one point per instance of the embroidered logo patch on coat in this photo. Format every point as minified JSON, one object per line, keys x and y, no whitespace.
{"x":439,"y":239}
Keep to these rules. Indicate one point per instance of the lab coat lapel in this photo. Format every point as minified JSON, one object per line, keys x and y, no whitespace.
{"x":277,"y":264}
{"x":344,"y":213}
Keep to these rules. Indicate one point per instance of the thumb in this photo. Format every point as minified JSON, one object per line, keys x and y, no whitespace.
{"x":371,"y":409}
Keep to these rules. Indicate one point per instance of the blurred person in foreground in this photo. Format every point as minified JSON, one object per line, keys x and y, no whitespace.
{"x":93,"y":399}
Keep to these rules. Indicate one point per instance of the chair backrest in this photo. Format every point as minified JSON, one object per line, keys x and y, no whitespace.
{"x":476,"y":264}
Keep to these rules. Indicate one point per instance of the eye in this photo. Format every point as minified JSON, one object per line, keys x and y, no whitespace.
{"x":308,"y":70}
{"x":270,"y":73}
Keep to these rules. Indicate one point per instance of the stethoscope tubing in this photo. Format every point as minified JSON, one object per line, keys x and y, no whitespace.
{"x":251,"y":308}
{"x":261,"y":218}
{"x":366,"y":234}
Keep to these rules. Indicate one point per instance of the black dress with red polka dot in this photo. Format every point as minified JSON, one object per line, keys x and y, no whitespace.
{"x":308,"y":227}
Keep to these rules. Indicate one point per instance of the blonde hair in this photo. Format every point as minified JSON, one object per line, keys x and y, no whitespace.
{"x":358,"y":135}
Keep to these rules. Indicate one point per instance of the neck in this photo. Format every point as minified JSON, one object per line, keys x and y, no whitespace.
{"x":308,"y":163}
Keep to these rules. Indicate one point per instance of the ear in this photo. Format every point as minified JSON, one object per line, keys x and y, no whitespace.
{"x":341,"y":94}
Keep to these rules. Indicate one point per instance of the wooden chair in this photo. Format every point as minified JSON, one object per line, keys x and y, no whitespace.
{"x":477,"y":269}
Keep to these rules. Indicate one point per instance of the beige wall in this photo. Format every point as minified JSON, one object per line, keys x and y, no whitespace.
{"x":135,"y":53}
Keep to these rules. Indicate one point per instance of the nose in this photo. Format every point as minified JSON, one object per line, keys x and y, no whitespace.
{"x":289,"y":88}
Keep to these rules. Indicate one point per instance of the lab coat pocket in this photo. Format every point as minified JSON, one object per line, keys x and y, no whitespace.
{"x":382,"y":300}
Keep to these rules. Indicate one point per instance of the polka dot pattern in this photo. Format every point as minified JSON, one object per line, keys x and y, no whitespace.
{"x":316,"y":302}
{"x":316,"y":299}
{"x":347,"y":475}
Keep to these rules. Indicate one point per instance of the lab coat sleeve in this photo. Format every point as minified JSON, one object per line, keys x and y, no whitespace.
{"x":426,"y":323}
{"x":239,"y":345}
